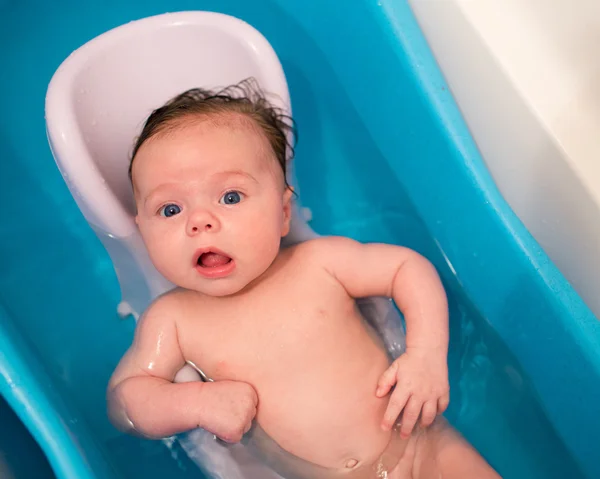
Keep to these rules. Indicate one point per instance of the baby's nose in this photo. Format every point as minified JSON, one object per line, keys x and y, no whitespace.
{"x":202,"y":220}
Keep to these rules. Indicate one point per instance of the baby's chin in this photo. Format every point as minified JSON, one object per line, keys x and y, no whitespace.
{"x":220,"y":291}
{"x":218,"y":288}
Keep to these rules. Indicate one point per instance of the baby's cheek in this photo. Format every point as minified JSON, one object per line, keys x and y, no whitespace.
{"x":268,"y":249}
{"x":161,"y":249}
{"x":152,"y":242}
{"x":159,"y":260}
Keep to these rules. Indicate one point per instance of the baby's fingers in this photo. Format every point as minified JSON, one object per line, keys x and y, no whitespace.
{"x":443,"y":403}
{"x":428,"y":413}
{"x":395,"y":406}
{"x":410,"y":417}
{"x":387,"y":380}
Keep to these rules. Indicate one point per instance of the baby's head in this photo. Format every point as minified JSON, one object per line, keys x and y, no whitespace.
{"x":209,"y":180}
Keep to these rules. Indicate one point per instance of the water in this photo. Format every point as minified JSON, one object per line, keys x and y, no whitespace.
{"x":60,"y":292}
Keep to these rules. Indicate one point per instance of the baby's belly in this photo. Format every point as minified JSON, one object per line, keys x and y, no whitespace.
{"x":328,"y":414}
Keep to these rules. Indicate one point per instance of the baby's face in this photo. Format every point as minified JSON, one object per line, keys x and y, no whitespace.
{"x":212,"y":205}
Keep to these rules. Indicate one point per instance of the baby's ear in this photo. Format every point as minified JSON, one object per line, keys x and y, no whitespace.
{"x":287,"y":210}
{"x":136,"y":214}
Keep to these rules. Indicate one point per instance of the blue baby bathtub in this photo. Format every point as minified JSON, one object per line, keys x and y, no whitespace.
{"x":20,"y":456}
{"x":383,"y":156}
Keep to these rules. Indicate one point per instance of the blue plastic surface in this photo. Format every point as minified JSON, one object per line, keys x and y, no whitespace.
{"x":383,"y":155}
{"x":20,"y":456}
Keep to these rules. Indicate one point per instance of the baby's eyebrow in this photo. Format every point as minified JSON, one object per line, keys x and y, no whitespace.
{"x":238,"y":173}
{"x":156,"y":191}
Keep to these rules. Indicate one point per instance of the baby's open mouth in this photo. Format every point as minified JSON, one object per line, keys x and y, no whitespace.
{"x":214,"y":264}
{"x":211,"y":259}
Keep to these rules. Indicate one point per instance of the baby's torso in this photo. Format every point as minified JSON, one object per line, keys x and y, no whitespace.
{"x":299,"y":340}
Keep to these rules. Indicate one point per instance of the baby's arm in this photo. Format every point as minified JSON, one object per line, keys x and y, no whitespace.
{"x":421,"y":374}
{"x":143,"y":399}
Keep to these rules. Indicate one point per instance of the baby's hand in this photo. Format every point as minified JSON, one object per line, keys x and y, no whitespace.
{"x":231,"y":407}
{"x":421,"y":380}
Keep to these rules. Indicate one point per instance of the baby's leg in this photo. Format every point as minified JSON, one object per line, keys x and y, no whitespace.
{"x":443,"y":453}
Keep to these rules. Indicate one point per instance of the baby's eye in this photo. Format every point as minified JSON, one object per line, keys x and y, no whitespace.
{"x":169,"y":210}
{"x":231,"y":198}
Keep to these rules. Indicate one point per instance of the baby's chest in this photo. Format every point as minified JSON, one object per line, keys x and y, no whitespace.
{"x":267,"y":338}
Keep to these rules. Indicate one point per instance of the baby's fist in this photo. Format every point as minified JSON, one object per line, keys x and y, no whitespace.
{"x":231,"y":407}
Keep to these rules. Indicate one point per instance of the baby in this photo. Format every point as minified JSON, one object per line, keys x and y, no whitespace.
{"x":277,"y":330}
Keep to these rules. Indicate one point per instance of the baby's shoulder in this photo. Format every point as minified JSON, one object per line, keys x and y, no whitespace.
{"x":321,"y":248}
{"x":168,"y":306}
{"x":319,"y":254}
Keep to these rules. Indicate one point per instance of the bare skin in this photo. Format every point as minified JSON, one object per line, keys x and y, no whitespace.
{"x":279,"y":331}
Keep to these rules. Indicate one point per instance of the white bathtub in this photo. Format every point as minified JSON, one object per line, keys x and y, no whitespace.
{"x":526,"y":75}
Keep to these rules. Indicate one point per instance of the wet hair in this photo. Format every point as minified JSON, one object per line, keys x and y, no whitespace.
{"x":244,"y":98}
